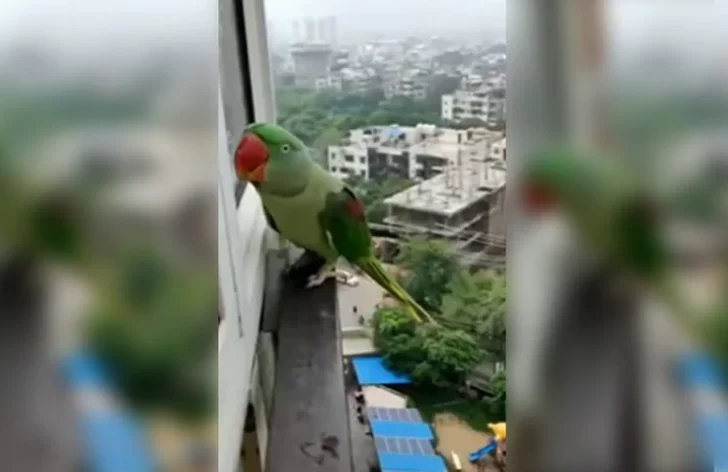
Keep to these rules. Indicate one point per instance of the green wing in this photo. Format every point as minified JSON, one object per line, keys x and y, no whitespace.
{"x":345,"y":223}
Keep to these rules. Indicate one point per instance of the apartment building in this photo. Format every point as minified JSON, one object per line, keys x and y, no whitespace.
{"x":498,"y":150}
{"x":417,"y":152}
{"x":330,"y":82}
{"x":459,"y":205}
{"x":485,"y":104}
{"x":413,"y":86}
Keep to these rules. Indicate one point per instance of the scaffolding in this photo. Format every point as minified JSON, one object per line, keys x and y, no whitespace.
{"x":447,"y":197}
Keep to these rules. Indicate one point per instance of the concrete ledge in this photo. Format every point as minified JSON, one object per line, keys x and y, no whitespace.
{"x":310,"y":423}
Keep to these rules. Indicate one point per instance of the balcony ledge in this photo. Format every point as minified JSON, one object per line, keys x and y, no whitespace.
{"x":309,"y":428}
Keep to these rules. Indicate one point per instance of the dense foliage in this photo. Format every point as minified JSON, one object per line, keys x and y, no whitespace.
{"x":496,"y":403}
{"x":471,"y":313}
{"x":153,"y":329}
{"x":318,"y":119}
{"x":430,"y":267}
{"x":477,"y":304}
{"x":432,"y":355}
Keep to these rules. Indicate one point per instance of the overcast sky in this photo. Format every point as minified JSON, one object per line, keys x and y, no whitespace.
{"x":391,"y":16}
{"x":96,"y":24}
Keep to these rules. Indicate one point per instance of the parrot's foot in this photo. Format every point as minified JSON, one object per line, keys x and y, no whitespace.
{"x":306,"y":267}
{"x":318,"y":279}
{"x":324,"y":274}
{"x":342,"y":274}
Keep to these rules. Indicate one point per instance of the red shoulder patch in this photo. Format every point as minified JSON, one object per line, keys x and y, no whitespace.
{"x":355,"y":208}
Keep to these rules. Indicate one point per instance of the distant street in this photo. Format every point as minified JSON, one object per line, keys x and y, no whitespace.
{"x":364,"y":296}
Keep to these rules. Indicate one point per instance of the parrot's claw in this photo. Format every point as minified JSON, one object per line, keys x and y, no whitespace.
{"x":315,"y":280}
{"x":318,"y":279}
{"x":342,"y":274}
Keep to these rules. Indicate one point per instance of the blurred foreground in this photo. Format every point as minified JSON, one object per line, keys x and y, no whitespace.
{"x":594,"y":353}
{"x":108,"y":248}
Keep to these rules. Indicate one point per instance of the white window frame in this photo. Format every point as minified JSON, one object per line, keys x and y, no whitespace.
{"x":241,"y":265}
{"x":243,"y":235}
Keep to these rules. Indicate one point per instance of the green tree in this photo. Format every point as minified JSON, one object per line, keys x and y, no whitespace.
{"x":496,"y":402}
{"x":450,"y":355}
{"x":309,"y":115}
{"x":439,"y":86}
{"x":394,"y":334}
{"x":157,"y":336}
{"x":430,"y":266}
{"x":477,"y":303}
{"x":431,"y":354}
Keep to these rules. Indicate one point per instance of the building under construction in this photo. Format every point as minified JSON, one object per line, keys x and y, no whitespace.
{"x":464,"y":205}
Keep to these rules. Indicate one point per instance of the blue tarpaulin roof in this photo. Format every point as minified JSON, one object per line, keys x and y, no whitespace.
{"x":404,"y":462}
{"x":401,"y":429}
{"x":82,"y":371}
{"x":714,"y":430}
{"x":702,"y":375}
{"x":116,"y":444}
{"x":698,"y":370}
{"x":113,"y":440}
{"x":372,"y":371}
{"x":394,"y":132}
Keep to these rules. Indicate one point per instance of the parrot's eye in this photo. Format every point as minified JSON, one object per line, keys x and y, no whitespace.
{"x":285,"y":148}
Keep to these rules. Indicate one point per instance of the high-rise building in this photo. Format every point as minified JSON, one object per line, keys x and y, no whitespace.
{"x":332,"y":30}
{"x":310,"y":30}
{"x":311,"y":62}
{"x":322,"y":30}
{"x":296,"y":31}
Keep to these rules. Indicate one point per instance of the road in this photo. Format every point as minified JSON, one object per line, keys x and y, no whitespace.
{"x":364,"y":296}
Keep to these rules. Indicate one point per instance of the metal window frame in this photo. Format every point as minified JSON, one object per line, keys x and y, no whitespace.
{"x":245,"y":96}
{"x":305,"y":397}
{"x":241,"y":265}
{"x":245,"y":73}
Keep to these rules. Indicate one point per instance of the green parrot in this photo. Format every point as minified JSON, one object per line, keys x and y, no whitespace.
{"x":613,"y":214}
{"x":312,"y":209}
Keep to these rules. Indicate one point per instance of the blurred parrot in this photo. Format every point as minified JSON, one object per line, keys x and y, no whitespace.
{"x":313,"y":209}
{"x":617,"y":217}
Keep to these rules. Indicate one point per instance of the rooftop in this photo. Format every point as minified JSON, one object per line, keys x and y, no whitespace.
{"x":452,"y":191}
{"x":424,"y":139}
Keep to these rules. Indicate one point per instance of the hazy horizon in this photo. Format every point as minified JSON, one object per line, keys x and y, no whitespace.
{"x":400,"y":17}
{"x":130,"y":26}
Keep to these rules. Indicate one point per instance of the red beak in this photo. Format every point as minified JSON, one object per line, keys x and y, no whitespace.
{"x":250,"y":158}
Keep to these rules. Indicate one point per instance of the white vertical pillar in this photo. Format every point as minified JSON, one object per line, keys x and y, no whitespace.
{"x":241,"y":266}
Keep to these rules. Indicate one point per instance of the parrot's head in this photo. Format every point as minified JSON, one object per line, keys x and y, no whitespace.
{"x":271,"y":157}
{"x":548,"y":180}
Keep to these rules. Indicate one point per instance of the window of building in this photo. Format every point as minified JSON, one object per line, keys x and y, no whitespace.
{"x":245,"y":95}
{"x":371,"y":109}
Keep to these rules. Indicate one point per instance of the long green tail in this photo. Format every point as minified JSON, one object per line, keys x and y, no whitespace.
{"x":374,"y":269}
